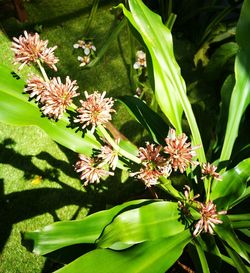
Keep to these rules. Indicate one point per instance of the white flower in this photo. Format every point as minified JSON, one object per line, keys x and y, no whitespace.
{"x":140,"y":60}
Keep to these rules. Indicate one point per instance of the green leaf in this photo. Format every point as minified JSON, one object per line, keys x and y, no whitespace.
{"x":240,"y":98}
{"x":15,"y":108}
{"x":61,"y":234}
{"x":170,"y":88}
{"x":147,"y":223}
{"x":150,"y":120}
{"x":232,"y":186}
{"x":149,"y":257}
{"x":239,"y":265}
{"x":202,"y":257}
{"x":226,"y":233}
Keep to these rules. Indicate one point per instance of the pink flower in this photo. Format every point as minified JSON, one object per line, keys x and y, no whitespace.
{"x":180,"y":151}
{"x":154,"y":165}
{"x":90,"y":170}
{"x":209,"y":218}
{"x":209,"y":170}
{"x":29,"y":48}
{"x":109,"y":155}
{"x":35,"y":87}
{"x":58,"y":97}
{"x":95,"y":110}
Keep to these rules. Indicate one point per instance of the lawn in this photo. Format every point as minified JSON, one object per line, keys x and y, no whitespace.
{"x":37,"y":181}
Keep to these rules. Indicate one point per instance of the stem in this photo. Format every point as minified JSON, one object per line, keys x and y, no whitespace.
{"x":117,"y":147}
{"x":167,"y":186}
{"x":170,"y":22}
{"x":209,"y":182}
{"x":42,"y":71}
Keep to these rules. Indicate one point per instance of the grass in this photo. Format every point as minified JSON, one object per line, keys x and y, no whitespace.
{"x":37,"y":181}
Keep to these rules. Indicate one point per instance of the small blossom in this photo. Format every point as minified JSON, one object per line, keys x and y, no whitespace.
{"x":58,"y":97}
{"x":109,"y":155}
{"x":209,"y":170}
{"x":80,"y":43}
{"x":140,"y":60}
{"x":95,"y":110}
{"x":180,"y":151}
{"x":35,"y":87}
{"x":209,"y":218}
{"x":154,"y":165}
{"x":29,"y":48}
{"x":88,"y":48}
{"x":90,"y":170}
{"x":83,"y":60}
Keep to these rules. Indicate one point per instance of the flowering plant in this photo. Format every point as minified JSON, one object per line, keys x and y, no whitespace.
{"x":146,"y":235}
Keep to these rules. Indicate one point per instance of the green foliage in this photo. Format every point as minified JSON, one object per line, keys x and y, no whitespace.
{"x":25,"y":112}
{"x":149,"y":257}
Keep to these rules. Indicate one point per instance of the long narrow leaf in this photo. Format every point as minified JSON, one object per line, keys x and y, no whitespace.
{"x":147,"y":117}
{"x":240,"y":98}
{"x":149,"y":257}
{"x":170,"y":89}
{"x":15,"y":108}
{"x":65,"y":233}
{"x":233,"y":185}
{"x":147,"y":223}
{"x":202,"y":256}
{"x":239,"y":265}
{"x":226,"y":233}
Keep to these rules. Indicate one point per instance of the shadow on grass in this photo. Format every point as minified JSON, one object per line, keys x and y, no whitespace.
{"x":26,"y":204}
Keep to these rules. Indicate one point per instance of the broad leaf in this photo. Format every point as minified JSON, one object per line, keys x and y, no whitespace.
{"x":15,"y":108}
{"x":233,"y":185}
{"x":149,"y":257}
{"x":147,"y":223}
{"x":240,"y":98}
{"x":151,"y":121}
{"x":226,"y":233}
{"x":65,"y":233}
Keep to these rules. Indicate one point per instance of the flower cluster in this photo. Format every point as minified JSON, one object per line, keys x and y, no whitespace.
{"x":209,"y":218}
{"x":180,"y":151}
{"x":154,"y":165}
{"x":54,"y":96}
{"x":208,"y":170}
{"x":29,"y":48}
{"x":140,"y":60}
{"x":95,"y":110}
{"x":88,"y":51}
{"x":91,"y":169}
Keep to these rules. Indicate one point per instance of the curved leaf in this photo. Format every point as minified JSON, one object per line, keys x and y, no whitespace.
{"x":150,"y":120}
{"x":65,"y":233}
{"x":226,"y":233}
{"x":149,"y":257}
{"x":240,"y":98}
{"x":147,"y":223}
{"x":232,"y":186}
{"x":170,"y":88}
{"x":15,"y":108}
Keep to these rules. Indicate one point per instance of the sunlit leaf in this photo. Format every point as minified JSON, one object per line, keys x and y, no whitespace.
{"x":240,"y":98}
{"x":147,"y":223}
{"x":87,"y":230}
{"x":233,"y":185}
{"x":226,"y":233}
{"x":149,"y":257}
{"x":15,"y":108}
